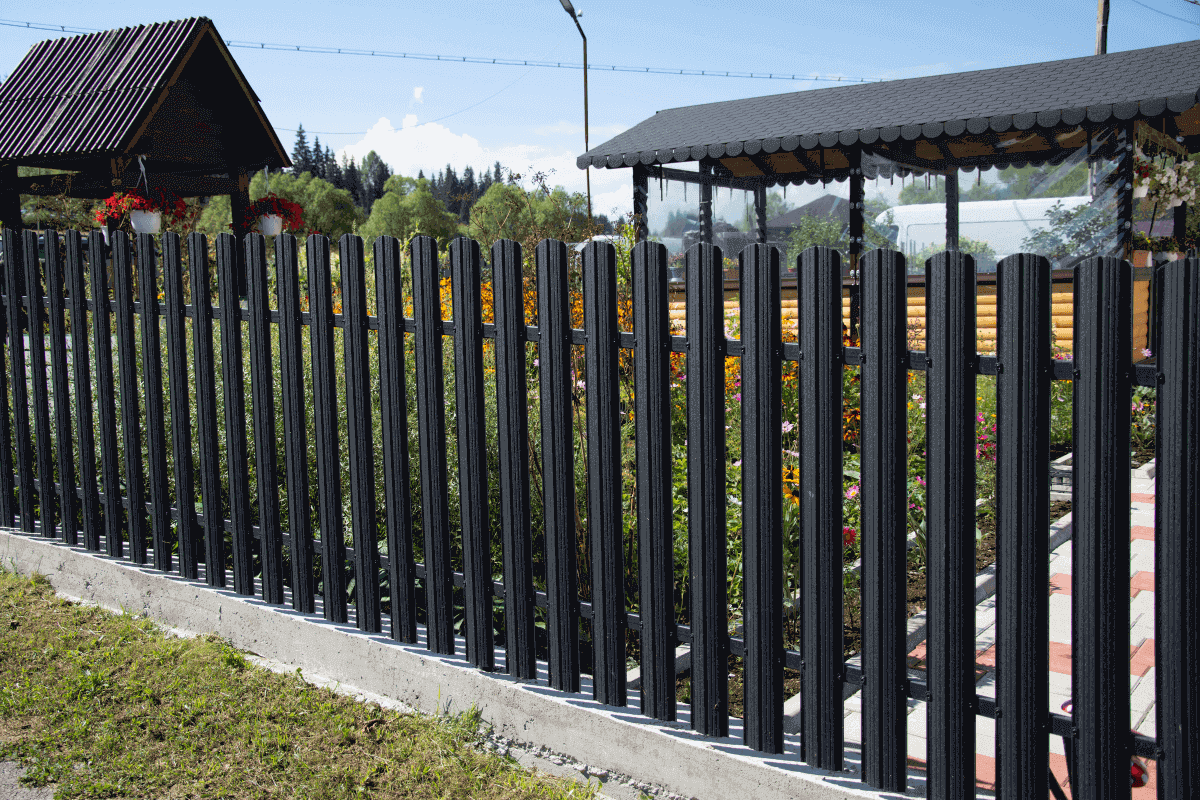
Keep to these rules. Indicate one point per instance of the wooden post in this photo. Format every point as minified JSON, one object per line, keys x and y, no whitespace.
{"x":10,"y":198}
{"x":952,"y":209}
{"x":641,"y":200}
{"x":239,"y":201}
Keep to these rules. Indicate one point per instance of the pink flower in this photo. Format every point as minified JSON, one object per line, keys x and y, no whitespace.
{"x":1146,"y":352}
{"x":535,"y":362}
{"x":787,"y":426}
{"x":852,"y":492}
{"x":737,"y":463}
{"x":738,"y":397}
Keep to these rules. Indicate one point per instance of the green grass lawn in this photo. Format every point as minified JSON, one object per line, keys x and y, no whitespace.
{"x":106,"y":705}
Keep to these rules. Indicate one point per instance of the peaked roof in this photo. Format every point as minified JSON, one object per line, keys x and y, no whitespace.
{"x":1149,"y":83}
{"x":96,"y":93}
{"x":827,"y":205}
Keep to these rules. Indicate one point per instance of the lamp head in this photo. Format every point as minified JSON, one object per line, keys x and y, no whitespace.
{"x":570,"y":9}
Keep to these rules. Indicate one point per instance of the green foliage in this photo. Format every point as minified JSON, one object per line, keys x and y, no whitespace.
{"x":406,"y":210}
{"x":1015,"y":183}
{"x":509,"y":211}
{"x":1073,"y":233}
{"x":54,"y":211}
{"x":984,"y":253}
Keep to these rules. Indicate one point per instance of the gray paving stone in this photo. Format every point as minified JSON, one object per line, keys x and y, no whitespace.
{"x":1141,"y":700}
{"x":1060,"y":618}
{"x":1141,"y":556}
{"x":1141,"y":615}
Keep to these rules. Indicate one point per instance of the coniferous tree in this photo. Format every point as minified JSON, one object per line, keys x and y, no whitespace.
{"x":317,"y":165}
{"x":352,"y":180}
{"x":301,"y":154}
{"x":497,"y":177}
{"x":333,"y":171}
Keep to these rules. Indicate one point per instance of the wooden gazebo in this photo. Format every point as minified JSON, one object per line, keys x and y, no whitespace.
{"x":941,"y":124}
{"x":167,"y":98}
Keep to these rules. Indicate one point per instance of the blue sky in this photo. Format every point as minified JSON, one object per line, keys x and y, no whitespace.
{"x":422,"y":114}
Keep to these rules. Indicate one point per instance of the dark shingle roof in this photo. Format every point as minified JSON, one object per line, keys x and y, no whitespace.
{"x":90,"y":94}
{"x":829,"y":206}
{"x":1144,"y":83}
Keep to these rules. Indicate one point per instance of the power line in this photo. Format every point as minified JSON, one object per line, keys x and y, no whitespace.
{"x":505,"y":62}
{"x":1165,"y":14}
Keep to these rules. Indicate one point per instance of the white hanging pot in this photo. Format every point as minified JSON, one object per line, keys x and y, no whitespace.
{"x":146,"y":221}
{"x":270,"y":224}
{"x":1140,"y":189}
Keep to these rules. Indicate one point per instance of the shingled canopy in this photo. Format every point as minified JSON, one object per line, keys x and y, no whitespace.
{"x":1011,"y":116}
{"x":167,"y":96}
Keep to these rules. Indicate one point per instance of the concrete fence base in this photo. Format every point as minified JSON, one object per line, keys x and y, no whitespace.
{"x":666,"y":754}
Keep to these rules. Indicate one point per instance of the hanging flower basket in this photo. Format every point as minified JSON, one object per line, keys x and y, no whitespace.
{"x":145,"y":211}
{"x":146,"y":221}
{"x":270,"y":224}
{"x":273,"y":214}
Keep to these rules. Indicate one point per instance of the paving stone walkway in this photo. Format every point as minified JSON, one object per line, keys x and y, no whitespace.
{"x":1141,"y":653}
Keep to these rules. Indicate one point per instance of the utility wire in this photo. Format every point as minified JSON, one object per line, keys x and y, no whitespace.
{"x":1165,"y":14}
{"x":506,"y":62}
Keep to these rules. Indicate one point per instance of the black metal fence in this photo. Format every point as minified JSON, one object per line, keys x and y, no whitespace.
{"x":46,"y":489}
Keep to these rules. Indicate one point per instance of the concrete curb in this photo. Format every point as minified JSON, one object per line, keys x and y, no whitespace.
{"x":617,"y":740}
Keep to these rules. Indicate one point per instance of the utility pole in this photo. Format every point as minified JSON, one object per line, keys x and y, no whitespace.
{"x":1101,"y":49}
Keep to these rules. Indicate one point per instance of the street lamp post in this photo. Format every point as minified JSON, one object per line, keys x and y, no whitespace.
{"x":570,"y":9}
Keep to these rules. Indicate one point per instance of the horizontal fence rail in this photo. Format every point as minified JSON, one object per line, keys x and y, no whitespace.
{"x":202,"y":497}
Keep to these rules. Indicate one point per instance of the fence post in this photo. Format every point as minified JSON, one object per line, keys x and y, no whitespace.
{"x":36,"y":318}
{"x":950,"y":523}
{"x":1177,"y":534}
{"x":431,"y":425}
{"x":131,"y":424}
{"x":156,"y":438}
{"x":656,"y":552}
{"x":229,"y":270}
{"x":262,"y":395}
{"x":325,"y":418}
{"x":605,"y":528}
{"x":8,"y":506}
{"x":14,"y":255}
{"x":206,"y":406}
{"x":819,"y":300}
{"x":762,"y":516}
{"x":76,"y":279}
{"x":389,"y":304}
{"x":1100,"y":547}
{"x":558,"y":465}
{"x":1023,"y":524}
{"x":359,"y":435}
{"x":181,"y":427}
{"x":465,"y":288}
{"x":295,"y":424}
{"x":883,"y":534}
{"x":512,"y":411}
{"x":708,"y":558}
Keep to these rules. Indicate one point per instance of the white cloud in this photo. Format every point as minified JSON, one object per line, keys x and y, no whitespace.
{"x":417,"y":92}
{"x":431,"y":146}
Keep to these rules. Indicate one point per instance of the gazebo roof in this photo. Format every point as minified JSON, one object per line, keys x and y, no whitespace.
{"x":168,"y":91}
{"x":991,"y":117}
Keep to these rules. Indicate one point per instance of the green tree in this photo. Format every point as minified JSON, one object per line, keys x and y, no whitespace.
{"x":984,"y":253}
{"x":1073,"y":234}
{"x":404,"y":215}
{"x":508,"y":211}
{"x":326,"y":210}
{"x":302,"y":156}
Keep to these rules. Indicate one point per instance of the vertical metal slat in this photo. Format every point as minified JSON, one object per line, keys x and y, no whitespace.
{"x":181,"y":413}
{"x":131,"y":424}
{"x":950,"y":523}
{"x":106,"y":399}
{"x":14,"y":250}
{"x":762,"y":516}
{"x":707,"y":554}
{"x":206,"y":411}
{"x":36,"y":316}
{"x":512,"y":411}
{"x":76,"y":279}
{"x":1100,"y":544}
{"x":152,"y":388}
{"x":8,"y":505}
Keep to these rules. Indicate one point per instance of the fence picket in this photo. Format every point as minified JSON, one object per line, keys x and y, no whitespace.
{"x":106,"y":396}
{"x":1022,"y":525}
{"x":68,"y":502}
{"x":1177,"y":534}
{"x":131,"y":427}
{"x":295,"y":426}
{"x":950,"y":523}
{"x":1100,"y":519}
{"x":819,"y":301}
{"x":389,"y":303}
{"x":605,"y":528}
{"x":708,"y":558}
{"x":762,"y":518}
{"x":181,"y":417}
{"x":465,"y":272}
{"x":512,"y":412}
{"x":81,"y":368}
{"x":8,"y":505}
{"x":156,"y":437}
{"x":359,"y":435}
{"x":431,"y":426}
{"x":328,"y":445}
{"x":558,"y":464}
{"x":14,"y":249}
{"x":262,"y":393}
{"x":36,"y":317}
{"x":234,"y":384}
{"x":656,"y":552}
{"x":206,"y":411}
{"x":884,"y":519}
